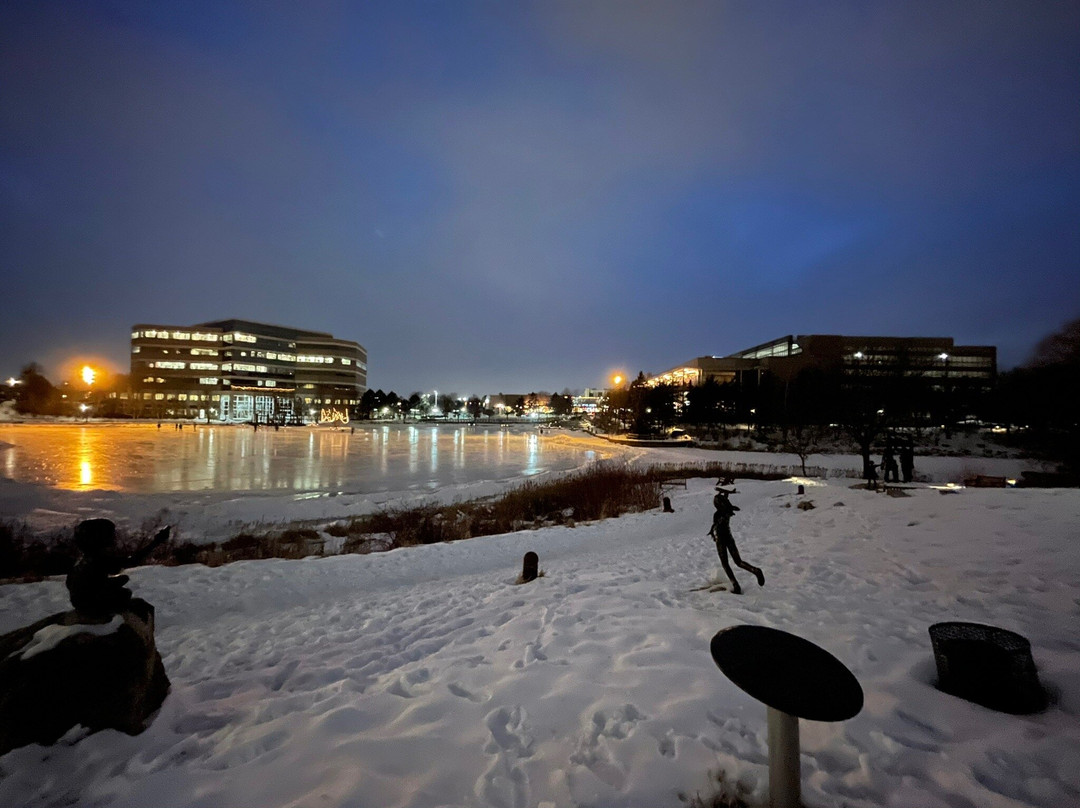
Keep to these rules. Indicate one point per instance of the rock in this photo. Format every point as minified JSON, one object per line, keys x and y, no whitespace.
{"x":806,"y":505}
{"x":65,"y":671}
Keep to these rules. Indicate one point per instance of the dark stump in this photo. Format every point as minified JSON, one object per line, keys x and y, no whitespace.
{"x":530,"y":567}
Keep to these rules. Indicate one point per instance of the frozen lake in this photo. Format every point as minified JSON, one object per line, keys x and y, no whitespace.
{"x":143,"y":459}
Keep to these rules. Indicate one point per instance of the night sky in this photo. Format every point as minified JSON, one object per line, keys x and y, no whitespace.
{"x":516,"y":196}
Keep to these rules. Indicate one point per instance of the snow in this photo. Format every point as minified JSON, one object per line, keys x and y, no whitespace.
{"x":425,"y":677}
{"x":47,"y":638}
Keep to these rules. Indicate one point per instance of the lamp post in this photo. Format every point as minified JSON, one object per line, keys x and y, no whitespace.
{"x":88,"y":377}
{"x":944,"y":357}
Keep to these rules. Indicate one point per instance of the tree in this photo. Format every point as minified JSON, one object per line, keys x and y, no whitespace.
{"x":561,"y":405}
{"x":475,"y":406}
{"x":35,"y":394}
{"x":804,"y":440}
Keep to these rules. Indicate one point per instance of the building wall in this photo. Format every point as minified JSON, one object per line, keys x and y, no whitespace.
{"x":241,"y":370}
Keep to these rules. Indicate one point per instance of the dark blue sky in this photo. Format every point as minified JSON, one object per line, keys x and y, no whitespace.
{"x":514,"y":196}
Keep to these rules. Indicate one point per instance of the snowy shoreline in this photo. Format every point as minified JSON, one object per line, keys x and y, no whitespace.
{"x":214,"y":515}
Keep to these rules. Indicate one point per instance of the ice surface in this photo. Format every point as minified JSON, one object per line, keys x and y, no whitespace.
{"x":425,"y":677}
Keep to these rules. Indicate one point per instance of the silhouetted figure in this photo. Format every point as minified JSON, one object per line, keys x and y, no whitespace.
{"x":95,"y":584}
{"x":891,"y":471}
{"x":725,"y":542}
{"x":907,"y":460}
{"x":870,"y":473}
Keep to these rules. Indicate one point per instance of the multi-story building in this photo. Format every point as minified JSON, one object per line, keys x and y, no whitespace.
{"x":933,"y":358}
{"x":239,"y":370}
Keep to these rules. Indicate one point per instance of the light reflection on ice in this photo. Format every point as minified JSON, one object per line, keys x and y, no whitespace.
{"x":141,"y":458}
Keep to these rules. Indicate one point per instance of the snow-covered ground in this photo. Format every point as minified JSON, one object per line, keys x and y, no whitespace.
{"x":425,"y":677}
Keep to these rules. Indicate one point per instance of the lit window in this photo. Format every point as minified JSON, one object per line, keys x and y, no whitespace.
{"x":134,"y":334}
{"x":239,"y":337}
{"x":271,"y":355}
{"x":271,"y":383}
{"x":136,"y":349}
{"x":204,"y":337}
{"x":169,"y":365}
{"x":261,"y":369}
{"x":181,"y":335}
{"x":159,"y":396}
{"x":346,"y":361}
{"x":209,"y":380}
{"x":243,"y":366}
{"x":226,"y":367}
{"x":203,"y":366}
{"x":183,"y":397}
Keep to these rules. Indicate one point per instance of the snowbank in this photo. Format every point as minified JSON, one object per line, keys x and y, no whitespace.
{"x":425,"y":677}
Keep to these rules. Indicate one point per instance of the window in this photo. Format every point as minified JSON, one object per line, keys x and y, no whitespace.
{"x":136,"y":349}
{"x":203,"y":366}
{"x":240,"y":337}
{"x":204,"y":337}
{"x":168,"y":365}
{"x":209,"y":380}
{"x":345,"y":361}
{"x":182,"y":335}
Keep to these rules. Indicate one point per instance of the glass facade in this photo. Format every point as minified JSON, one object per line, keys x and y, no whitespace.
{"x":237,"y":370}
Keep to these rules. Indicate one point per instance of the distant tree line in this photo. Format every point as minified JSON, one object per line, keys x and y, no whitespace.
{"x":376,"y":404}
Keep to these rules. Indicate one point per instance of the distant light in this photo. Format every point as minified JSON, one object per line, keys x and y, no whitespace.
{"x":859,"y":354}
{"x":942,"y":356}
{"x":88,"y":375}
{"x":11,"y":382}
{"x":83,"y":408}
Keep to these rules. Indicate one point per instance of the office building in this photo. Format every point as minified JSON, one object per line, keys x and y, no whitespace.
{"x":239,"y":370}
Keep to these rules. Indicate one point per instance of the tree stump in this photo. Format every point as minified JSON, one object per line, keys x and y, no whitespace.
{"x":667,"y":505}
{"x":530,"y":567}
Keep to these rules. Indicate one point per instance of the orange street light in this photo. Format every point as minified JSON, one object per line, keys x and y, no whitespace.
{"x":88,"y":375}
{"x":616,"y":380}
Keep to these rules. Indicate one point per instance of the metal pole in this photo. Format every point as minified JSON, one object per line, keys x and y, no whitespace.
{"x":784,"y":773}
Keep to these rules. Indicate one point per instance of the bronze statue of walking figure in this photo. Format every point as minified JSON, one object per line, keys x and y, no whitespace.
{"x":725,"y":542}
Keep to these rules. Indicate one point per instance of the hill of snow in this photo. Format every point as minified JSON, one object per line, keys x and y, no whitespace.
{"x":425,"y":677}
